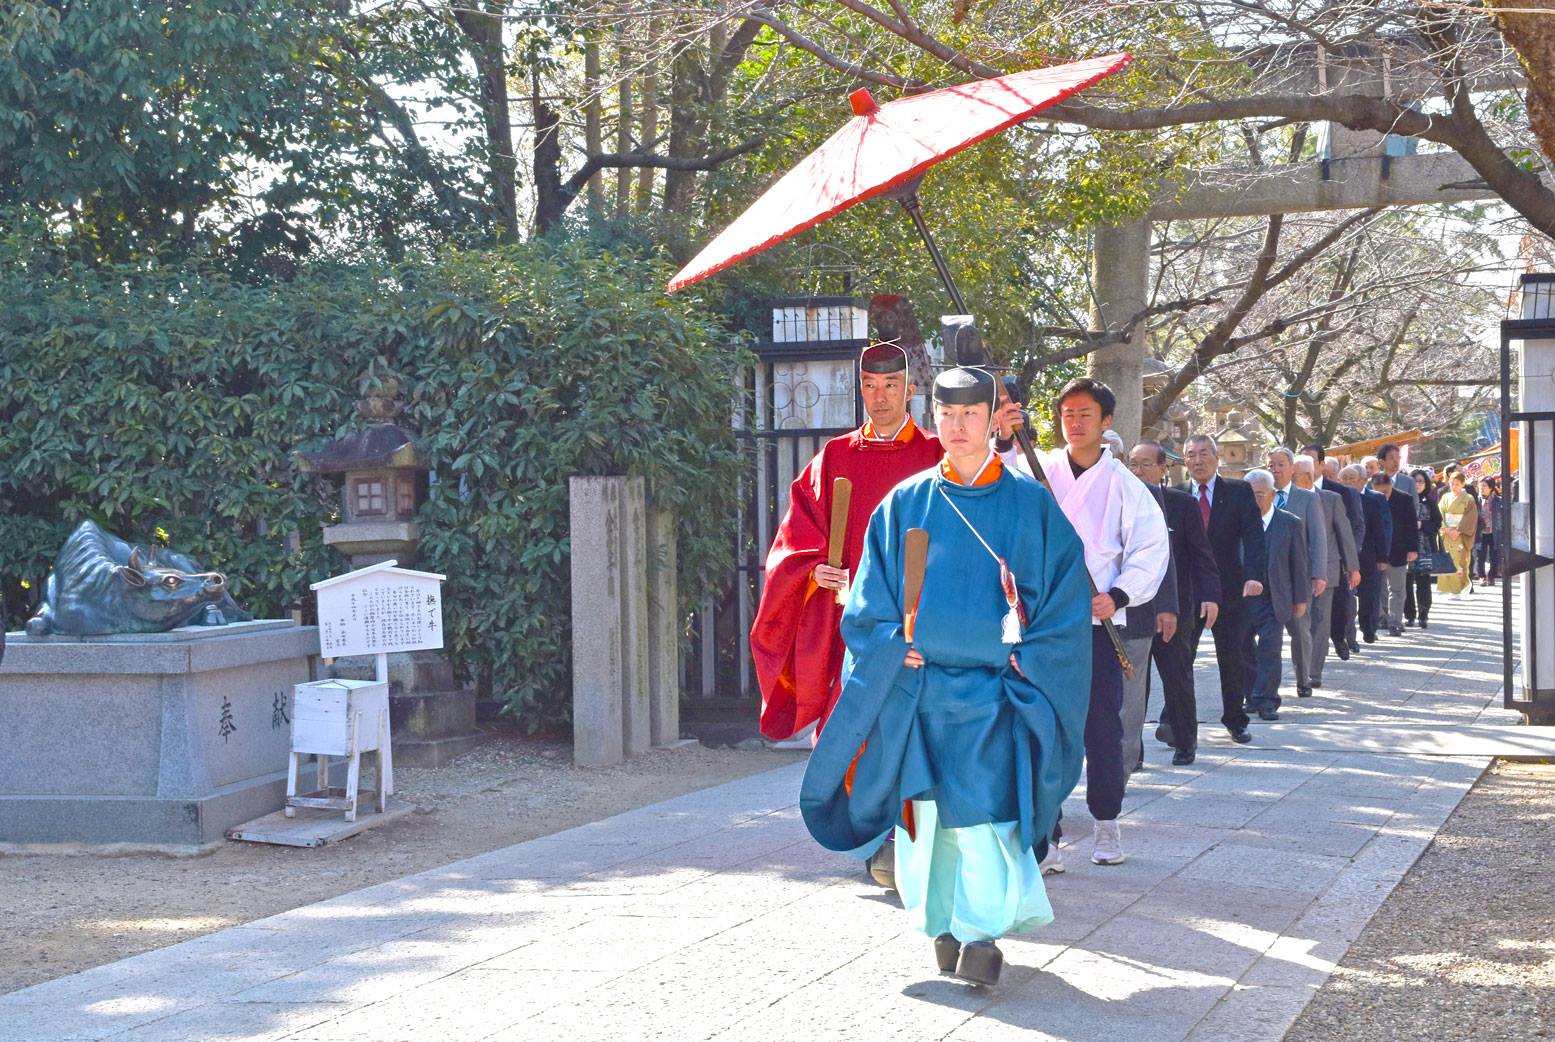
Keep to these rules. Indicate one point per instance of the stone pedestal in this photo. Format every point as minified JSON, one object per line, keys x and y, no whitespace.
{"x":160,"y":740}
{"x":431,"y":716}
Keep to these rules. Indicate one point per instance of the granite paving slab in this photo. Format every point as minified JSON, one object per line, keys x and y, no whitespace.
{"x":714,"y":916}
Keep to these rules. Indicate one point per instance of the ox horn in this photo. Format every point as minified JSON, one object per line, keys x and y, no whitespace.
{"x":135,"y":560}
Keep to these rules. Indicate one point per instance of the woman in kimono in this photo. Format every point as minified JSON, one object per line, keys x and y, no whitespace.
{"x":1460,"y":521}
{"x":960,"y":723}
{"x":1419,"y":584}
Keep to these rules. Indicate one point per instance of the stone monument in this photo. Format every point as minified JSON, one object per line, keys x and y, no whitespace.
{"x":384,"y":478}
{"x":125,"y":725}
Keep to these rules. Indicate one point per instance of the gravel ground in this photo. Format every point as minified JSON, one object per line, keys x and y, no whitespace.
{"x":1465,"y":947}
{"x":62,"y":914}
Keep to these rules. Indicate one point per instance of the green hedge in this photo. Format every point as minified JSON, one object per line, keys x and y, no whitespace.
{"x":167,"y":405}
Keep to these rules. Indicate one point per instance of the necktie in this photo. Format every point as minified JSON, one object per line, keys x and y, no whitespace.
{"x":1204,"y":505}
{"x":1279,"y":499}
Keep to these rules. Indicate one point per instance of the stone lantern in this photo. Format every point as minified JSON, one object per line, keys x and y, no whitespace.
{"x":385,"y":482}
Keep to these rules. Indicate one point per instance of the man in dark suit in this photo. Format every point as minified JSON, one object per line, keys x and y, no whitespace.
{"x":1287,"y":586}
{"x":1373,"y":551}
{"x":1342,"y":626}
{"x":1198,"y":599}
{"x":1403,"y":547}
{"x":1231,"y":521}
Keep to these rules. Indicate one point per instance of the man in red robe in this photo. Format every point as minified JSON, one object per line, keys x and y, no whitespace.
{"x":795,"y":640}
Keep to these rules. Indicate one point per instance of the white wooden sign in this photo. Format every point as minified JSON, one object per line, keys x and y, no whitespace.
{"x":379,"y":610}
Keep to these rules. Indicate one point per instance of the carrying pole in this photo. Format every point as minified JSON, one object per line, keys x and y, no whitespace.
{"x":909,"y":201}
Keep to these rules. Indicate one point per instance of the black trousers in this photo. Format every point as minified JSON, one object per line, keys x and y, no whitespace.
{"x":1343,"y":623}
{"x":1180,"y":711}
{"x":1370,"y":598}
{"x":1417,"y":597}
{"x":1485,"y":564}
{"x":1230,"y":632}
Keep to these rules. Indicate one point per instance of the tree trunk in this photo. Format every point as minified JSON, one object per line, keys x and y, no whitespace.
{"x":650,"y":113}
{"x":686,"y":127}
{"x":623,"y":200}
{"x":483,"y":29}
{"x":550,"y":203}
{"x":593,"y":120}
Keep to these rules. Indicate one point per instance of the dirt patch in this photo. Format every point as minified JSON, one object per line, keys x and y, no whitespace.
{"x":64,"y":914}
{"x":1465,"y":947}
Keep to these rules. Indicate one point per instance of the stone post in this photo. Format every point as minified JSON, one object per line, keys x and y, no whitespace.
{"x":598,"y":671}
{"x":636,"y":716}
{"x":663,"y":629}
{"x":1120,"y":280}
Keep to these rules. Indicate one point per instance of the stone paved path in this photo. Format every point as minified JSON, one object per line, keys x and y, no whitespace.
{"x":714,"y":916}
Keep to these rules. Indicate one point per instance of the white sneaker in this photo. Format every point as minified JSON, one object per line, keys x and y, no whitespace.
{"x":1107,"y":844}
{"x":1052,"y":862}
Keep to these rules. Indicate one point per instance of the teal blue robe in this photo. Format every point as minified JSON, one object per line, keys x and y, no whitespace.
{"x":967,"y":731}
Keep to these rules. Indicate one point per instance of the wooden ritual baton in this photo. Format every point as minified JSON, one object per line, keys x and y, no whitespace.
{"x":841,"y":502}
{"x":915,"y":556}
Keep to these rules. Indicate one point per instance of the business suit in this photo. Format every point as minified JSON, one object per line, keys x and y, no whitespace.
{"x":1138,"y":633}
{"x":1341,"y":562}
{"x":1308,"y":508}
{"x":1287,"y":582}
{"x":1373,"y":552}
{"x":1236,"y":538}
{"x":1341,"y":627}
{"x":1405,"y":540}
{"x":1198,"y":580}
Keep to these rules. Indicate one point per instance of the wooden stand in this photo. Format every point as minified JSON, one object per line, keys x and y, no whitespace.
{"x":343,"y":718}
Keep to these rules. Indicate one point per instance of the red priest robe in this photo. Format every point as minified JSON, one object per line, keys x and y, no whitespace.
{"x":795,"y":640}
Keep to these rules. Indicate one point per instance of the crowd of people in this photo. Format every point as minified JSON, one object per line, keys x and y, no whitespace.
{"x":963,"y":638}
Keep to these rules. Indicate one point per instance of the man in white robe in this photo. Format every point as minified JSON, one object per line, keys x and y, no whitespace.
{"x":1127,"y":550}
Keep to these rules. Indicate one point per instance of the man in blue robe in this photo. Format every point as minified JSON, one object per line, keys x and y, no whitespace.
{"x":965,"y":732}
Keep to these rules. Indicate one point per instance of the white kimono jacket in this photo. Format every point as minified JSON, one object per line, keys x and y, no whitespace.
{"x":1126,"y":540}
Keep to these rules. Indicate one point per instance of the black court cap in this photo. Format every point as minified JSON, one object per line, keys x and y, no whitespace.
{"x":966,"y":385}
{"x":883,"y":357}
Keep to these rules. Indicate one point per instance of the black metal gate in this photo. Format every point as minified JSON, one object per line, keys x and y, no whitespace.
{"x":802,"y":392}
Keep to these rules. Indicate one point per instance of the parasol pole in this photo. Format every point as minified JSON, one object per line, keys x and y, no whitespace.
{"x":909,"y":201}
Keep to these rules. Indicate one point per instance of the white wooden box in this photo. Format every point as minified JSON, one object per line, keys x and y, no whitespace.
{"x":322,"y":712}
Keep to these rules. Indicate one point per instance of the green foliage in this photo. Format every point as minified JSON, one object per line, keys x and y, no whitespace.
{"x":247,"y":130}
{"x":172,"y":401}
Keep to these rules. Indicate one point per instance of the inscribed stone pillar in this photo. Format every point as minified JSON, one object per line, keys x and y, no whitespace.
{"x":598,"y":611}
{"x":636,"y":717}
{"x":663,"y":629}
{"x":1120,"y":278}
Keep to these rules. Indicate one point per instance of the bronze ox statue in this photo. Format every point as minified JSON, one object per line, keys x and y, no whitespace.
{"x":102,"y":585}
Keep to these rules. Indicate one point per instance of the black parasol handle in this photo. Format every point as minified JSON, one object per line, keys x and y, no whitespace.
{"x":979,"y":351}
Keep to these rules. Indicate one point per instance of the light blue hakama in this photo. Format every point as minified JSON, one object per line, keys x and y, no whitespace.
{"x":977,"y":883}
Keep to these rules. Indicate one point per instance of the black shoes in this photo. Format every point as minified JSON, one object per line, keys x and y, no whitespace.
{"x":1370,"y":638}
{"x":1342,"y":649}
{"x":947,"y":952}
{"x":1304,"y":692}
{"x":882,"y":865}
{"x":1313,"y":685}
{"x":1163,"y":734}
{"x":1239,"y":735}
{"x":1268,"y":714}
{"x":1422,"y":624}
{"x":1395,"y":632}
{"x":980,"y":962}
{"x":1183,"y":757}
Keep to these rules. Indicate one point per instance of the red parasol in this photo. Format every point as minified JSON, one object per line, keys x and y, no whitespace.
{"x":885,"y":150}
{"x":890,"y":146}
